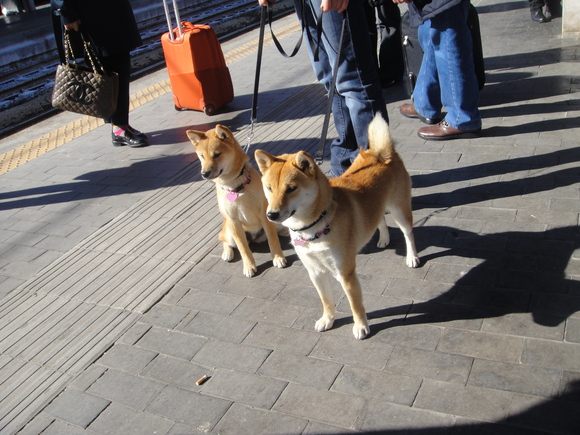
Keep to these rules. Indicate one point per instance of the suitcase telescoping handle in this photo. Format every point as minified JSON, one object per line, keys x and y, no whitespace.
{"x":177,"y":17}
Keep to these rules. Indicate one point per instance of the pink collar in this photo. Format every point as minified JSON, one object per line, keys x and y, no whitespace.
{"x":232,"y":194}
{"x":301,"y":241}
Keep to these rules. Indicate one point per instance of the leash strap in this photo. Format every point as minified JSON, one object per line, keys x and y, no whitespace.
{"x":320,"y":153}
{"x":277,"y":43}
{"x":265,"y":13}
{"x":254,"y":116}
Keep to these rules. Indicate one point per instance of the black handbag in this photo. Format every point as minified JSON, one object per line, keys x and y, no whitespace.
{"x":85,"y":89}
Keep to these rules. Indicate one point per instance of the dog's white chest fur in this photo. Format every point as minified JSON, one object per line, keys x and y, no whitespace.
{"x":241,"y":210}
{"x":318,"y":257}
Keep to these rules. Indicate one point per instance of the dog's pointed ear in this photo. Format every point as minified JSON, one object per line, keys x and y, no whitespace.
{"x":263,"y":159}
{"x":195,"y":136}
{"x":222,"y":132}
{"x":305,"y":163}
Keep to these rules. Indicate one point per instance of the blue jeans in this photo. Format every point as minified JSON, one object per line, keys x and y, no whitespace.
{"x":358,"y":95}
{"x":447,"y":75}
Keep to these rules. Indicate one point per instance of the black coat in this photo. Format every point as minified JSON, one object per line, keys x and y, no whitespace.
{"x":110,"y":24}
{"x":423,"y":10}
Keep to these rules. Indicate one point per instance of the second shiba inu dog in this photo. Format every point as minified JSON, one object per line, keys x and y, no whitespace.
{"x":240,"y":195}
{"x":330,"y":221}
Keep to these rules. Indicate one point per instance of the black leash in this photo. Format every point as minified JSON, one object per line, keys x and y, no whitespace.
{"x":277,"y":43}
{"x":254,"y":114}
{"x":267,"y":13}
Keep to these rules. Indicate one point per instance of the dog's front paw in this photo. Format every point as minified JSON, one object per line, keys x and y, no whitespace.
{"x":412,"y":261}
{"x":360,"y":331}
{"x":250,"y":270}
{"x":382,"y":243}
{"x":384,"y":236}
{"x":324,"y":324}
{"x":279,"y":261}
{"x":228,"y":253}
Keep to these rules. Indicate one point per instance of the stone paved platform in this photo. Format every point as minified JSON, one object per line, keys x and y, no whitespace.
{"x":115,"y":300}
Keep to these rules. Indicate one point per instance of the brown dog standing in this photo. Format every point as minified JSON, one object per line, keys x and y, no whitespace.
{"x":330,"y":221}
{"x":240,"y":195}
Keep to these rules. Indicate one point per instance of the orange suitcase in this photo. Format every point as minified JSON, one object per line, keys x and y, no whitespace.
{"x":199,"y":77}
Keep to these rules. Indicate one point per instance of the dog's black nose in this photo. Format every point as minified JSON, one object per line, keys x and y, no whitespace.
{"x":205,"y":174}
{"x":273,"y":215}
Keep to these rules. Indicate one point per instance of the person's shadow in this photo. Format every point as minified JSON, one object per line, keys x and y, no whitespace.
{"x":518,"y":272}
{"x":539,"y":179}
{"x":143,"y":175}
{"x":558,"y":415}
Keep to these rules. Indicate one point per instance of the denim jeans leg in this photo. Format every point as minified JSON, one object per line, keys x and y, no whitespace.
{"x":358,"y":93}
{"x":460,"y":89}
{"x":450,"y":60}
{"x":427,"y":92}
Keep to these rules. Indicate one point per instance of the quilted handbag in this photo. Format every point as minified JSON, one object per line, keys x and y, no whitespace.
{"x":85,"y":89}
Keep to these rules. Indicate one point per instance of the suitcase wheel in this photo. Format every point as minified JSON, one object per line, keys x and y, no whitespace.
{"x":209,"y":109}
{"x":179,"y":109}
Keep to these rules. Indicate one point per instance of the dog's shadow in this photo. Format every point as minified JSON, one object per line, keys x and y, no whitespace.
{"x":516,"y":272}
{"x":396,"y":244}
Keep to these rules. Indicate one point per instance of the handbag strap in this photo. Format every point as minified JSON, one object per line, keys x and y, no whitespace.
{"x":320,"y":152}
{"x":69,"y":55}
{"x":90,"y":53}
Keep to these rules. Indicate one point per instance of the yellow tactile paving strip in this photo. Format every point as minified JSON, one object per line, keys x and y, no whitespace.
{"x":24,"y":153}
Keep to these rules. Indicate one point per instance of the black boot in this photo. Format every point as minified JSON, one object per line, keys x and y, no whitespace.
{"x":539,"y":17}
{"x":553,"y":9}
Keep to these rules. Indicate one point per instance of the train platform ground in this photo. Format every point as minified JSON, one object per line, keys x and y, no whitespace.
{"x":115,"y":300}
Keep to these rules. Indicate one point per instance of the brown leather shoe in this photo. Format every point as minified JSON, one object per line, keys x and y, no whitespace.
{"x":409,"y":111}
{"x":444,"y":131}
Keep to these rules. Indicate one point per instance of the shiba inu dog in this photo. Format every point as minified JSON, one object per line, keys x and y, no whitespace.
{"x":330,"y":221}
{"x":240,"y":196}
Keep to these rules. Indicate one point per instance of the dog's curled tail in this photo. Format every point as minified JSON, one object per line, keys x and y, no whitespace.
{"x":380,"y":140}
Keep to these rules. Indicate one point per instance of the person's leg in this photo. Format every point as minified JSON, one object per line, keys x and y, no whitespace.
{"x":456,"y":69}
{"x":371,"y":19}
{"x":123,"y":133}
{"x":323,"y":71}
{"x":536,"y":11}
{"x":553,"y":9}
{"x":121,"y":64}
{"x":536,"y":5}
{"x":358,"y":95}
{"x":427,"y":92}
{"x":391,"y":61}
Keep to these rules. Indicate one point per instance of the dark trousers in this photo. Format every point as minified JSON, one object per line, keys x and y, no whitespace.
{"x":554,"y":6}
{"x":121,"y":64}
{"x":384,"y":21}
{"x":536,"y":5}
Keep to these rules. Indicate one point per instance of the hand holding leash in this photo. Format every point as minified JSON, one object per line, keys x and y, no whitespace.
{"x":334,"y":5}
{"x":73,"y":26}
